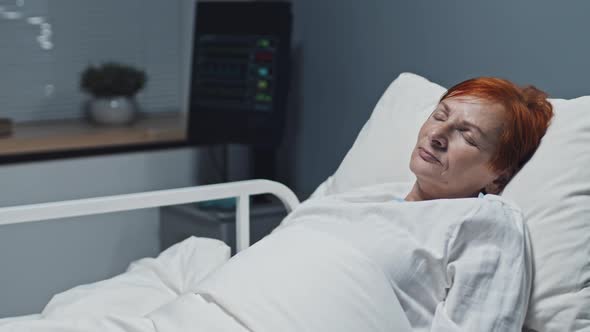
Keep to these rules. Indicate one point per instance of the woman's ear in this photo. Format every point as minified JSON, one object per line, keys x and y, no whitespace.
{"x":496,"y":186}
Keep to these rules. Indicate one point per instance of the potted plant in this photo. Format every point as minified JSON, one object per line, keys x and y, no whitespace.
{"x":113,"y":87}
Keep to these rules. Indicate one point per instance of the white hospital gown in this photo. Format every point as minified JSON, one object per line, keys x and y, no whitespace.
{"x":454,"y":264}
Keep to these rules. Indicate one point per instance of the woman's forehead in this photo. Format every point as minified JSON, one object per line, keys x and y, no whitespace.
{"x":488,"y":116}
{"x":474,"y":107}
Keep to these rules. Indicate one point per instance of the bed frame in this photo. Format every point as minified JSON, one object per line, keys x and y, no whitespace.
{"x":242,"y":190}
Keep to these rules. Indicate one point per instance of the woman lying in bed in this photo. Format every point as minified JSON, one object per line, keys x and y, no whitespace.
{"x":454,"y":258}
{"x":434,"y":255}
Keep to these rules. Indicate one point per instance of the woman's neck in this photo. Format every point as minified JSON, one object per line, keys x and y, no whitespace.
{"x":417,"y":194}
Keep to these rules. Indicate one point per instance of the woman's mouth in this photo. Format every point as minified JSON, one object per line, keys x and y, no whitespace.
{"x":428,"y":156}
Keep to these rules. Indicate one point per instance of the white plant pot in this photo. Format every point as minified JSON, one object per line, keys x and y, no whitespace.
{"x":112,"y":111}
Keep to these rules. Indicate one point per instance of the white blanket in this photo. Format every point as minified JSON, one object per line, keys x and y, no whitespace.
{"x":188,"y":312}
{"x":355,"y":262}
{"x":154,"y":295}
{"x":347,"y":262}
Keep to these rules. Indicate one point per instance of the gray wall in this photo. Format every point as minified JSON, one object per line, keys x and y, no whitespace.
{"x":349,"y":51}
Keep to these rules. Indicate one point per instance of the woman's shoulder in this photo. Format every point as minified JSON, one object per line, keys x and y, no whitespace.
{"x":498,"y":225}
{"x":502,"y":202}
{"x":504,"y":207}
{"x":498,"y":215}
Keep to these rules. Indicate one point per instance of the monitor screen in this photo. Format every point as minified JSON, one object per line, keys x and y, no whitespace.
{"x":236,"y":72}
{"x":239,"y":72}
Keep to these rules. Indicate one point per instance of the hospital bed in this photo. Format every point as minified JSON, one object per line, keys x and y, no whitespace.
{"x":553,"y":190}
{"x":241,"y":190}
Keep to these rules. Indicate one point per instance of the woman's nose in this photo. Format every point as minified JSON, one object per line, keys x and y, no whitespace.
{"x":438,"y":139}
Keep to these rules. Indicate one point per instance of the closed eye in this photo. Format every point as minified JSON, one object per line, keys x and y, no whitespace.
{"x":439,"y":117}
{"x":470,"y":142}
{"x":467,"y":138}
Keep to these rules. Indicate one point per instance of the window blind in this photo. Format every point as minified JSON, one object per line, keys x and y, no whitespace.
{"x":46,"y":44}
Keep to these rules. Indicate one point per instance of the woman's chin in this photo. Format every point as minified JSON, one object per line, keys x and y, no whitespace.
{"x":425,"y":173}
{"x":419,"y":165}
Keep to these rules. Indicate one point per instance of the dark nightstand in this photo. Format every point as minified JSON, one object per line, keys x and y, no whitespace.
{"x":182,"y":221}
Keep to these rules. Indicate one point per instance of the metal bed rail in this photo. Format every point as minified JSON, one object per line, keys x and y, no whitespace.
{"x":242,"y":190}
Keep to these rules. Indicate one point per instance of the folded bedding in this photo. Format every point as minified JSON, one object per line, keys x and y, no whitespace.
{"x":188,"y":312}
{"x":149,"y":285}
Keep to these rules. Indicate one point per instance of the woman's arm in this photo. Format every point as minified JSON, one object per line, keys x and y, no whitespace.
{"x":489,"y":273}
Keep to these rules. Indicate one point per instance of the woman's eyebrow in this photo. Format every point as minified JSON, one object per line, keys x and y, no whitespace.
{"x":445,"y":107}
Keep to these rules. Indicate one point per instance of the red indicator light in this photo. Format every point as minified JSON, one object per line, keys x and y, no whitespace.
{"x":264,"y":56}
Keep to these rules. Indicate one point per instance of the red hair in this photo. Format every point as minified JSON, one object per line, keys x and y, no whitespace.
{"x":528,"y":113}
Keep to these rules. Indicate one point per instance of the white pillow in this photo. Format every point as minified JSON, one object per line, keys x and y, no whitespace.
{"x":553,"y":190}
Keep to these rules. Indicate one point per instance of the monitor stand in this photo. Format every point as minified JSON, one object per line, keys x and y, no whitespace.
{"x":264,"y":166}
{"x":264,"y":163}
